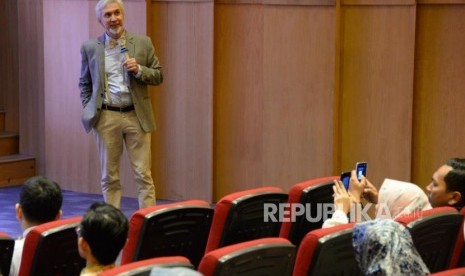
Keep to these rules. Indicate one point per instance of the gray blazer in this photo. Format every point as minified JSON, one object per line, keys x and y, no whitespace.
{"x":92,"y":80}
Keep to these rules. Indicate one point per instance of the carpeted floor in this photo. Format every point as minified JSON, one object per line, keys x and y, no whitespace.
{"x":74,"y":204}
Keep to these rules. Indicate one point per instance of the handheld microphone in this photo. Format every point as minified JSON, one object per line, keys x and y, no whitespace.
{"x":124,"y":51}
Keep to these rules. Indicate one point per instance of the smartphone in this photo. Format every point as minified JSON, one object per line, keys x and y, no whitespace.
{"x":345,"y":179}
{"x":361,"y":169}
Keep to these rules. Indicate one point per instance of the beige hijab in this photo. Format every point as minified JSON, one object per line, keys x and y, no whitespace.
{"x":397,"y":198}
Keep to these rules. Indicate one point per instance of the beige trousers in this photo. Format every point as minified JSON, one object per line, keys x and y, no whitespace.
{"x":113,"y":130}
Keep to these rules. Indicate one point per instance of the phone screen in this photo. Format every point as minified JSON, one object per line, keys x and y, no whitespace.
{"x":361,"y":169}
{"x":345,"y":179}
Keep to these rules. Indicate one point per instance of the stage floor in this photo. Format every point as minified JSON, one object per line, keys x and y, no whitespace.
{"x":74,"y":204}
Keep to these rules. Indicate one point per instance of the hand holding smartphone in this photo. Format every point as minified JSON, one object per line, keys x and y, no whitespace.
{"x":345,"y":179}
{"x":361,"y":169}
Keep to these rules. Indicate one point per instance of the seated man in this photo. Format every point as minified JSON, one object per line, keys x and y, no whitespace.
{"x":447,"y":187}
{"x":103,"y":232}
{"x":40,"y":201}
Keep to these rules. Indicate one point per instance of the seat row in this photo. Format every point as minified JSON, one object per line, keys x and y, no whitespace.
{"x":236,"y":236}
{"x":326,"y":250}
{"x":190,"y":228}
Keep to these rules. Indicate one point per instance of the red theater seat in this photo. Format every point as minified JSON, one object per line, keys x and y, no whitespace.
{"x":266,"y":256}
{"x":51,"y":249}
{"x":434,"y":233}
{"x":308,"y":193}
{"x":458,"y":257}
{"x":175,"y":229}
{"x":6,"y":253}
{"x":451,"y":272}
{"x":240,"y":217}
{"x":327,"y":251}
{"x":144,"y":267}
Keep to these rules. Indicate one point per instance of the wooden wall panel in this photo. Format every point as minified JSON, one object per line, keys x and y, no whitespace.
{"x":298,"y":94}
{"x":377,"y":2}
{"x":70,"y":154}
{"x":31,"y":80}
{"x":274,"y":79}
{"x":439,"y":88}
{"x":376,"y":99}
{"x":182,"y":148}
{"x":238,"y":103}
{"x":9,"y":71}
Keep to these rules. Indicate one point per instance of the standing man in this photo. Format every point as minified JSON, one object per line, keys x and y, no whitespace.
{"x":116,"y":69}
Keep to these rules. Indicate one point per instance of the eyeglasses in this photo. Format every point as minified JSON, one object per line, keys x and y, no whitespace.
{"x":78,"y":231}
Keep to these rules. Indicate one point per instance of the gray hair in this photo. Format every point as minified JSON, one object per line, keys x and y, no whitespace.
{"x":103,"y":3}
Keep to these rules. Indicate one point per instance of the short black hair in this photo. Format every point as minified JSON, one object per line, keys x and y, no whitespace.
{"x":105,"y":229}
{"x":40,"y":200}
{"x":455,"y":179}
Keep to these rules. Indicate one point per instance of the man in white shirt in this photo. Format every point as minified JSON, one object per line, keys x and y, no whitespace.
{"x":40,"y":201}
{"x":116,"y":70}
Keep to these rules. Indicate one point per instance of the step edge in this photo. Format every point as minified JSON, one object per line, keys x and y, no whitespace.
{"x":8,"y":134}
{"x":15,"y":158}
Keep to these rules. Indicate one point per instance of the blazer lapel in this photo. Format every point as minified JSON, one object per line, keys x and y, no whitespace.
{"x":130,"y":44}
{"x":101,"y":58}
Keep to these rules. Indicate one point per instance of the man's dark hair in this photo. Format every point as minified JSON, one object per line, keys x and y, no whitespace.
{"x":40,"y":200}
{"x":455,"y":179}
{"x":105,"y":229}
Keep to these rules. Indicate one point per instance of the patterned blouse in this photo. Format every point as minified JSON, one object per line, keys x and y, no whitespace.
{"x":385,"y":247}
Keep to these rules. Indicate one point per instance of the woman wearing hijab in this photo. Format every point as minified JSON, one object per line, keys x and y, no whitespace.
{"x":385,"y":247}
{"x":395,"y":198}
{"x":400,"y":198}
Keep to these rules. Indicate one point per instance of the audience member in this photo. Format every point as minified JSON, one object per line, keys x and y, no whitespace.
{"x":396,"y":198}
{"x":385,"y":247}
{"x":40,"y":201}
{"x":447,"y":187}
{"x":102,"y":234}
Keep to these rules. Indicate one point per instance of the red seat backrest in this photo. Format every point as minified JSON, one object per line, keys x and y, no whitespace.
{"x":265,"y":256}
{"x":148,"y":264}
{"x":327,"y":251}
{"x":310,"y":193}
{"x":450,"y":272}
{"x":458,"y":257}
{"x":434,"y":233}
{"x":6,"y":253}
{"x":51,"y":249}
{"x":239,"y":217}
{"x":175,"y":229}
